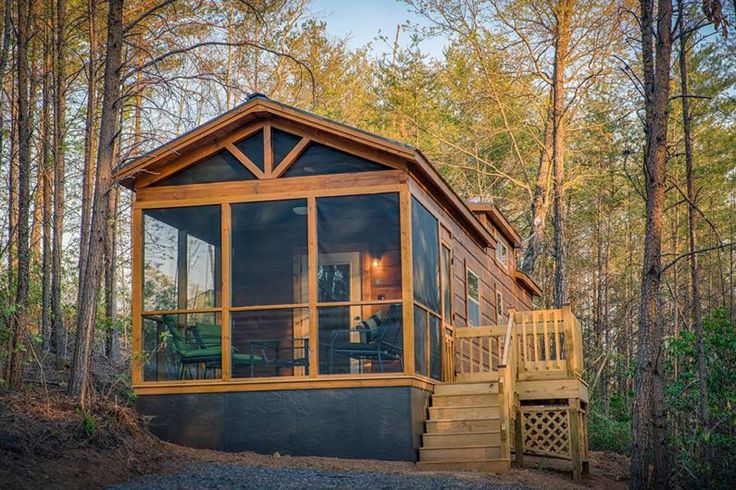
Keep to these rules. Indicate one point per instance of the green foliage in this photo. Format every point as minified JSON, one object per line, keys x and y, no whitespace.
{"x":691,"y":441}
{"x":89,"y":424}
{"x":610,"y":430}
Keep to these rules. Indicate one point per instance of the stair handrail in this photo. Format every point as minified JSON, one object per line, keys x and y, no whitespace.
{"x":507,"y":339}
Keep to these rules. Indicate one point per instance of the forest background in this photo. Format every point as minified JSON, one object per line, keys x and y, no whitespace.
{"x":605,"y":131}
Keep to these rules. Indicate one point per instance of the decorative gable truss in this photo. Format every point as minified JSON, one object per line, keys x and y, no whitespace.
{"x":262,"y":150}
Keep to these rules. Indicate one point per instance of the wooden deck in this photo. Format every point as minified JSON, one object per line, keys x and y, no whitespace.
{"x":510,"y":388}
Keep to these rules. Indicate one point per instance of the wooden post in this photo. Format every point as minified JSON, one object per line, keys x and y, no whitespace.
{"x":407,"y":286}
{"x":519,"y":437}
{"x":225,"y":299}
{"x":312,"y":286}
{"x":571,"y":343}
{"x":574,"y":435}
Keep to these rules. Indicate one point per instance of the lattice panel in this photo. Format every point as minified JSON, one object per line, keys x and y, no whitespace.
{"x":546,"y":431}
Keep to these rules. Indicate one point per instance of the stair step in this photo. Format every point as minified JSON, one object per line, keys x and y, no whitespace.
{"x":463,"y":425}
{"x":463,"y":413}
{"x":466,"y":388}
{"x":459,"y":439}
{"x":464,"y":400}
{"x":498,"y":466}
{"x":461,"y":453}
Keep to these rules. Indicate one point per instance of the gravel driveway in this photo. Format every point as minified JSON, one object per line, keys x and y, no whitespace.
{"x":234,"y":475}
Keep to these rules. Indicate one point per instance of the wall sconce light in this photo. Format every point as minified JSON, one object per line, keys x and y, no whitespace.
{"x":376,"y":261}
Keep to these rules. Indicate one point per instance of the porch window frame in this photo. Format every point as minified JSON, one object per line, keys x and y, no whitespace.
{"x":225,"y":309}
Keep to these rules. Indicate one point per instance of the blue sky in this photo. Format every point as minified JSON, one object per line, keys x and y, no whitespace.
{"x":365,"y":20}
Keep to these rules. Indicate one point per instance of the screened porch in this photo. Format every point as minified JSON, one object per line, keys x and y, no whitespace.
{"x":302,"y":287}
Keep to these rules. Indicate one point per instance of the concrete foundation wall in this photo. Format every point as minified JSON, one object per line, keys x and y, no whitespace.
{"x":364,"y":423}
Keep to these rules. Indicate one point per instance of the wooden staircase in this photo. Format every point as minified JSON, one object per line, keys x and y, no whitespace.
{"x":463,"y":431}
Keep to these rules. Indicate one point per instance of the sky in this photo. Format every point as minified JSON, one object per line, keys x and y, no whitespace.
{"x":364,"y":20}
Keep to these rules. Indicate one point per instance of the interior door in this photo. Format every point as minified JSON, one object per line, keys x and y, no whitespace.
{"x":339,"y":280}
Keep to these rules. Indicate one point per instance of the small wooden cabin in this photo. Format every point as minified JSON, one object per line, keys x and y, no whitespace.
{"x":306,"y":287}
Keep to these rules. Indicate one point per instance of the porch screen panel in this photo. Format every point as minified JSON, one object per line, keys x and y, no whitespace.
{"x":421,"y":362}
{"x":252,"y":147}
{"x":269,"y":343}
{"x":181,"y":258}
{"x":220,"y":167}
{"x":181,"y":346}
{"x":181,"y":271}
{"x":358,"y":281}
{"x":269,"y":253}
{"x":425,"y":253}
{"x":364,"y":339}
{"x":358,"y":240}
{"x":427,"y":304}
{"x":319,"y":159}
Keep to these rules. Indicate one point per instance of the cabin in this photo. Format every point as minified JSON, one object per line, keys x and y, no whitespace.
{"x":306,"y":287}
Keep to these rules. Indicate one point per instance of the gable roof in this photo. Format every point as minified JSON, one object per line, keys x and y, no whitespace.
{"x":258,"y":106}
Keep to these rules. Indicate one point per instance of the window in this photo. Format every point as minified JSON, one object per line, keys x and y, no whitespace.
{"x":220,"y":167}
{"x":446,"y":284}
{"x":318,"y":159}
{"x":502,"y":253}
{"x":358,"y":280}
{"x":181,"y":271}
{"x":473,"y":298}
{"x":499,"y":308}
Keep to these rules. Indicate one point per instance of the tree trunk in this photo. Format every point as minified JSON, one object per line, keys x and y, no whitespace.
{"x":87,"y":301}
{"x":57,"y":322}
{"x":112,"y":340}
{"x":540,"y":202}
{"x":697,"y":312}
{"x":649,"y":409}
{"x":89,"y":138}
{"x":24,"y":172}
{"x":45,"y":185}
{"x":563,"y":12}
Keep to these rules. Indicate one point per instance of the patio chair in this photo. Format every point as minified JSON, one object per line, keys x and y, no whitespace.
{"x":202,"y":346}
{"x":381,"y":339}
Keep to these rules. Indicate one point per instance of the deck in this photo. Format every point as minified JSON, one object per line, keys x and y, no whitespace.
{"x":510,"y":388}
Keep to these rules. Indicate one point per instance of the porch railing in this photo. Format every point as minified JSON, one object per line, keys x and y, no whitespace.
{"x":539,"y":343}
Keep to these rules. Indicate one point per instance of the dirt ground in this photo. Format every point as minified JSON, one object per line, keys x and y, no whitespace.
{"x":47,"y":442}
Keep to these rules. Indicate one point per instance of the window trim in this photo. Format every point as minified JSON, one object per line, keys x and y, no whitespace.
{"x":503,"y":263}
{"x":468,"y":298}
{"x":225,"y":309}
{"x":500,"y":310}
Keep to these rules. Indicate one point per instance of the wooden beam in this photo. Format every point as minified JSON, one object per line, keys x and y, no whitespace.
{"x":258,"y":190}
{"x":407,"y":286}
{"x":334,"y":381}
{"x":268,"y":163}
{"x":312,"y":253}
{"x":245,"y":161}
{"x":290,"y":158}
{"x":225,"y":274}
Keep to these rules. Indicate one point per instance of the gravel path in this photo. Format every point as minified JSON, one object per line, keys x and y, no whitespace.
{"x":234,"y":475}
